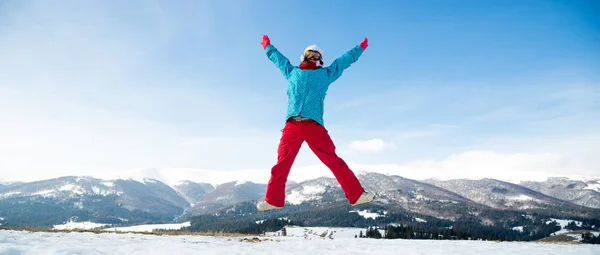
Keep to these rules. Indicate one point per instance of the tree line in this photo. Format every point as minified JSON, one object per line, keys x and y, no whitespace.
{"x":456,"y":232}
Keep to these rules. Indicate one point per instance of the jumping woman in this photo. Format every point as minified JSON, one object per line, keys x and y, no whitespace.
{"x":307,"y":87}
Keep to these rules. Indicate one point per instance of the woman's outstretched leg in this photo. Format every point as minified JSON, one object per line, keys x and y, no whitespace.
{"x":289,"y":146}
{"x":321,"y":144}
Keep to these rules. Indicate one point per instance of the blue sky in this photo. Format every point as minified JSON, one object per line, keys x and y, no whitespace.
{"x":463,"y":89}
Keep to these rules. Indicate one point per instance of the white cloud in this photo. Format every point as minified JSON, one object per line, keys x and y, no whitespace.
{"x":372,"y":145}
{"x":513,"y":167}
{"x":215,"y":176}
{"x":483,"y":164}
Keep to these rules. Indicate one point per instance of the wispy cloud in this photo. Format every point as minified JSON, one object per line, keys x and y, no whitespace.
{"x":373,"y":145}
{"x":475,"y":164}
{"x":479,"y":164}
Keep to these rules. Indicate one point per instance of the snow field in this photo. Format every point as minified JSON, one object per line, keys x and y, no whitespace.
{"x":149,"y":227}
{"x":320,"y":232}
{"x":367,"y":214}
{"x":42,"y":243}
{"x":138,"y":228}
{"x":79,"y":225}
{"x":562,"y":223}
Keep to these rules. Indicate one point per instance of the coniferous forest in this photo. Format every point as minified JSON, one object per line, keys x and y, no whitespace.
{"x":395,"y":225}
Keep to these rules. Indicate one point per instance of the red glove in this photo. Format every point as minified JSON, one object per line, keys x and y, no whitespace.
{"x":364,"y":44}
{"x":265,"y":42}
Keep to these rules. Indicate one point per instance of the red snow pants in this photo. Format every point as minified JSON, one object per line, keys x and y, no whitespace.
{"x":319,"y":141}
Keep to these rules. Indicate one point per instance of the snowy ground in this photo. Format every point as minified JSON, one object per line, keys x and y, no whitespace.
{"x":106,"y":227}
{"x":79,"y":225}
{"x":44,"y":243}
{"x":149,"y":227}
{"x":562,"y":223}
{"x":320,"y":232}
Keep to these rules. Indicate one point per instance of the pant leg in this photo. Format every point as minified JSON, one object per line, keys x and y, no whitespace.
{"x":320,"y":143}
{"x":289,"y":145}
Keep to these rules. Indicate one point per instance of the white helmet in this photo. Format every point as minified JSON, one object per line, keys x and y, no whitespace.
{"x":313,"y":47}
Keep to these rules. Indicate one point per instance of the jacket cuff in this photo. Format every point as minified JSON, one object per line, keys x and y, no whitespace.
{"x":270,"y":48}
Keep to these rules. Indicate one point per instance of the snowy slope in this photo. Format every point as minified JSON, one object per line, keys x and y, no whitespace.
{"x":392,"y":191}
{"x":56,"y":201}
{"x":227,"y":194}
{"x":389,"y":189}
{"x":497,"y":194}
{"x":61,"y":188}
{"x":193,"y":191}
{"x":79,"y":225}
{"x":148,"y":227}
{"x":20,"y":242}
{"x":563,"y":224}
{"x":130,"y":193}
{"x":311,"y":190}
{"x":581,"y":192}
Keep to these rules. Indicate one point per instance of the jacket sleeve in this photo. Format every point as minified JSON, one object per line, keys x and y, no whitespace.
{"x":340,"y":64}
{"x":279,"y":60}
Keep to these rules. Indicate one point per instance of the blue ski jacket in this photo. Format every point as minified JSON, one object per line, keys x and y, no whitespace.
{"x":307,"y":88}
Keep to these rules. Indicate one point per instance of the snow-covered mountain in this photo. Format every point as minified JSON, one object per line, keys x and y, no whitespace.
{"x":62,"y":188}
{"x":227,"y":194}
{"x":4,"y":185}
{"x":193,"y":191}
{"x":314,"y":190}
{"x":392,"y":192}
{"x":581,"y":192}
{"x":410,"y":191}
{"x":48,"y":201}
{"x":498,"y":194}
{"x":151,"y":200}
{"x":389,"y":189}
{"x":149,"y":196}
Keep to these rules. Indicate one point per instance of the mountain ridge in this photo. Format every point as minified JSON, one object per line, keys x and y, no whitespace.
{"x":127,"y":201}
{"x":173,"y":178}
